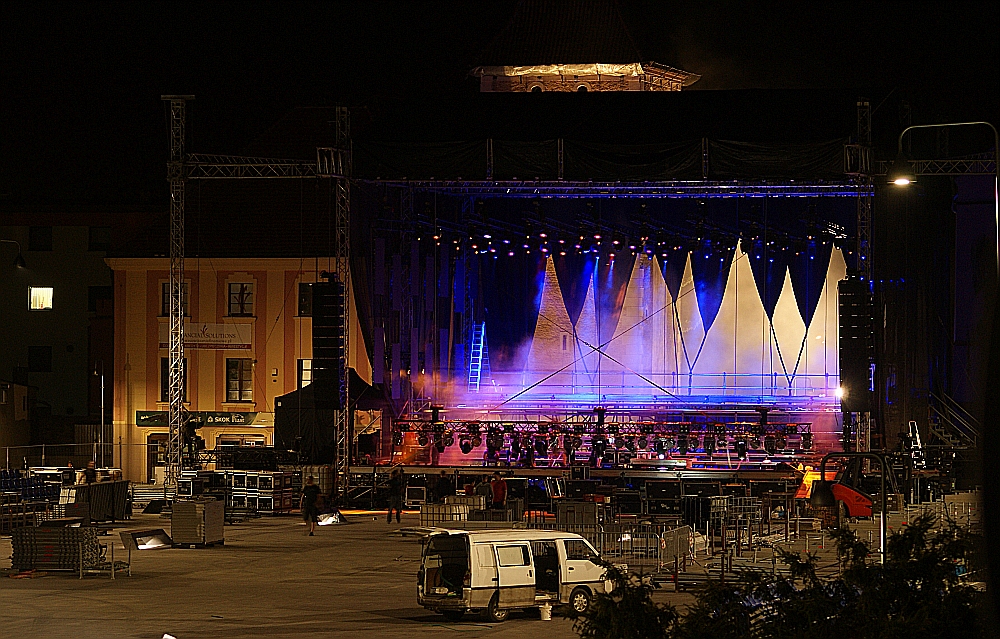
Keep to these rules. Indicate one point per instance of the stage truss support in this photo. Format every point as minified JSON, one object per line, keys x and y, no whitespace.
{"x":333,"y":163}
{"x":340,"y":172}
{"x":176,"y":175}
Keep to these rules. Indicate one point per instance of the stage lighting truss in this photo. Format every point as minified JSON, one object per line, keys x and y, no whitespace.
{"x":661,"y":437}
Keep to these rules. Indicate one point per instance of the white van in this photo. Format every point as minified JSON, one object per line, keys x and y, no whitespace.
{"x":495,"y":571}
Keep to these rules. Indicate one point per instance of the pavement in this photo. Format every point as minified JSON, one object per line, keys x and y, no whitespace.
{"x":269,"y":579}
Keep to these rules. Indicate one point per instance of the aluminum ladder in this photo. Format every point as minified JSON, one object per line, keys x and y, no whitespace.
{"x":479,"y":357}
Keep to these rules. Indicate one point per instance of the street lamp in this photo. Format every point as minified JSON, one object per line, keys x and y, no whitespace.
{"x":821,"y":495}
{"x":19,"y":259}
{"x":901,"y":171}
{"x":99,"y":371}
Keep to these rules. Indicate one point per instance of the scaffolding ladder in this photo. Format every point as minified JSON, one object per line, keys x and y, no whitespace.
{"x":479,"y":357}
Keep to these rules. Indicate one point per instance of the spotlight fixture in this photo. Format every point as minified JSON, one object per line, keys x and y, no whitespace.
{"x":807,"y":441}
{"x":422,"y":439}
{"x":682,"y":444}
{"x":741,"y":447}
{"x":449,"y":439}
{"x":477,"y":441}
{"x":642,"y":442}
{"x":659,"y":446}
{"x":465,"y":445}
{"x":397,"y":439}
{"x":599,"y":445}
{"x":709,"y":445}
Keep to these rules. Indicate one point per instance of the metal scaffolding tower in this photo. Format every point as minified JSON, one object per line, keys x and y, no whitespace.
{"x":177,"y":415}
{"x":339,"y":170}
{"x":333,"y":163}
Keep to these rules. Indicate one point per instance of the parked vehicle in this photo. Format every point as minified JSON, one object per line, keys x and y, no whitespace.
{"x":494,"y":572}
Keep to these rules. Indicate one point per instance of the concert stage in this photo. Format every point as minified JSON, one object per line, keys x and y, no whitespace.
{"x":680,"y":308}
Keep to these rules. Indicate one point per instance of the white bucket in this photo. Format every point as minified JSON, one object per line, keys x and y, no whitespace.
{"x":546,"y":610}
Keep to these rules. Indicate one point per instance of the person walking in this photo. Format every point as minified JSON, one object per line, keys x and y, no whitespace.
{"x":397,"y":492}
{"x":308,"y":505}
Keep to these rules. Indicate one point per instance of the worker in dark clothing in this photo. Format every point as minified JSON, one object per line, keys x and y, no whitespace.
{"x":397,"y":492}
{"x":90,"y":473}
{"x":443,"y":487}
{"x":308,"y":504}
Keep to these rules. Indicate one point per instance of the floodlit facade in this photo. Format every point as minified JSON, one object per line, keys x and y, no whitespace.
{"x":247,"y":341}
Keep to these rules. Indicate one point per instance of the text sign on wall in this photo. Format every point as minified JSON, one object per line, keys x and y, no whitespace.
{"x":219,"y":337}
{"x":198,"y":418}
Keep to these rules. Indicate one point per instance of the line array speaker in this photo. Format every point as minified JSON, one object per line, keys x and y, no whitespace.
{"x":856,"y":343}
{"x":329,"y":367}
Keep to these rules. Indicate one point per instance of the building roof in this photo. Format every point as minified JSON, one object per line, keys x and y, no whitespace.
{"x":542,"y":32}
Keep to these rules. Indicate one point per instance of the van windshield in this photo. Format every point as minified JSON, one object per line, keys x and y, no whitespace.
{"x":446,"y":560}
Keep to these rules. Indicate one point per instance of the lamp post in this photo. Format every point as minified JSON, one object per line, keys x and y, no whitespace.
{"x":19,"y":259}
{"x":822,"y":496}
{"x":901,"y":171}
{"x":99,"y":371}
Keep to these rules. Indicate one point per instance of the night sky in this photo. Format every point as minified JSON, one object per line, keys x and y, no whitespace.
{"x":81,"y":120}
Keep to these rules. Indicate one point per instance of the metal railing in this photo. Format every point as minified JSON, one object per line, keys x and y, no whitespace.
{"x":681,"y":384}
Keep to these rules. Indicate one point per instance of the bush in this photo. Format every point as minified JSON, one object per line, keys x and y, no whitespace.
{"x":919,"y":593}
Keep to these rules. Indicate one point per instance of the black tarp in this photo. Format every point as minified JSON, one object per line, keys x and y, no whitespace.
{"x":304,"y":422}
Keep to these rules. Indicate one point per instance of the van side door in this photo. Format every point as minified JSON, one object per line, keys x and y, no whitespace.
{"x":578,"y":567}
{"x":515,"y":573}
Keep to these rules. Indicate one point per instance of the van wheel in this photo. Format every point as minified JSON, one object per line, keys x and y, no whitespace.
{"x":494,"y":612}
{"x":579,"y":600}
{"x":453,"y":615}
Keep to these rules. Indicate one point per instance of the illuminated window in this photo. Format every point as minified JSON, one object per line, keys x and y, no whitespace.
{"x":239,"y":379}
{"x":40,"y":298}
{"x":305,"y":372}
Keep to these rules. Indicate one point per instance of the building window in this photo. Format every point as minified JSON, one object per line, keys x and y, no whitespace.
{"x":165,"y":304}
{"x":100,"y":238}
{"x":40,"y":298}
{"x":305,"y":372}
{"x":239,"y":379}
{"x":98,"y":296}
{"x":241,"y":300}
{"x":39,"y":359}
{"x":305,"y":299}
{"x":165,"y":379}
{"x":564,"y":342}
{"x":39,"y":238}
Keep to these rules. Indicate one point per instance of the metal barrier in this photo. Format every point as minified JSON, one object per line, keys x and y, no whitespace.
{"x":647,"y":548}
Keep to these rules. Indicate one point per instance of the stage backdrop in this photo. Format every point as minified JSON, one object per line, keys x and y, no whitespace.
{"x":752,"y":323}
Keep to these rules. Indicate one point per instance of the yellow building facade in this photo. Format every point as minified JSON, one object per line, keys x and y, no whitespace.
{"x":248,"y":339}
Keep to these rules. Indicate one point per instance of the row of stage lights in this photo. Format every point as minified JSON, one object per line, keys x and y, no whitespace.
{"x":683,"y":442}
{"x":486,"y":244}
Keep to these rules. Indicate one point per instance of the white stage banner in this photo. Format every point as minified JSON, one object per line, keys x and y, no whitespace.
{"x":218,"y":337}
